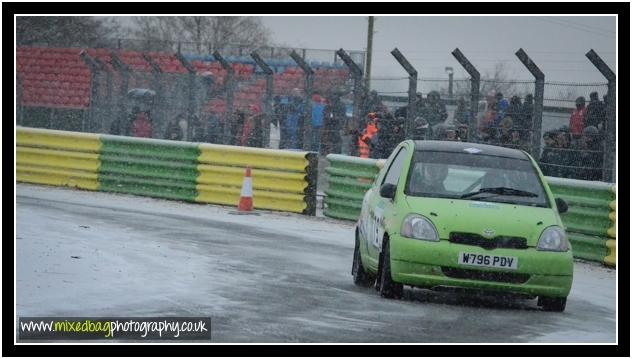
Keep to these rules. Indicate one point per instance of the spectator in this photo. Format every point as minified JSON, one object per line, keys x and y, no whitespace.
{"x":215,"y":128}
{"x":198,"y":132}
{"x":184,"y":126}
{"x":281,"y":106}
{"x":547,"y":158}
{"x":251,"y":135}
{"x":318,"y":113}
{"x":516,"y":140}
{"x":334,"y":121}
{"x":462,"y":132}
{"x":501,"y":108}
{"x":174,"y":132}
{"x":237,"y":127}
{"x":595,"y":111}
{"x":122,"y":126}
{"x":527,"y":117}
{"x":450,"y":133}
{"x":391,"y":133}
{"x":488,"y":117}
{"x":142,"y":127}
{"x":504,"y":136}
{"x":365,"y":139}
{"x":563,"y":154}
{"x":590,"y":158}
{"x":578,"y":117}
{"x":294,"y":118}
{"x":435,"y":111}
{"x":461,"y":114}
{"x":515,"y":112}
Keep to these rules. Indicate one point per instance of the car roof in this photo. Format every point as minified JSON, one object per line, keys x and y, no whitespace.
{"x":459,"y":147}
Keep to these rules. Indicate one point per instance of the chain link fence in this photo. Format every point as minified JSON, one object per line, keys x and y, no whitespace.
{"x":141,"y":88}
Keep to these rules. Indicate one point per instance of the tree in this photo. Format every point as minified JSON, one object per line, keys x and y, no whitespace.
{"x":70,"y":31}
{"x":203,"y":31}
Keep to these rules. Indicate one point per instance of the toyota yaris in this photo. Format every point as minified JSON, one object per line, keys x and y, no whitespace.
{"x":457,"y":215}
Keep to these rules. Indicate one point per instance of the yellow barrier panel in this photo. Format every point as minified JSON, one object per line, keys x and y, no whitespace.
{"x":613,"y":216}
{"x":57,"y":159}
{"x":261,"y":179}
{"x":613,"y":205}
{"x":56,"y":177}
{"x":254,"y":157}
{"x":261,"y":199}
{"x":611,"y":259}
{"x":63,"y":140}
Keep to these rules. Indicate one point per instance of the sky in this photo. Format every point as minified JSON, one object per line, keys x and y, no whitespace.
{"x":556,"y":44}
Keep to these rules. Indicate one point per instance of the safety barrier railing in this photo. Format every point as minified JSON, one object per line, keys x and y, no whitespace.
{"x":177,"y":170}
{"x":590,"y":220}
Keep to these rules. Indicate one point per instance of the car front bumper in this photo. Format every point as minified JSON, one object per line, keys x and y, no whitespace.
{"x":435,"y":264}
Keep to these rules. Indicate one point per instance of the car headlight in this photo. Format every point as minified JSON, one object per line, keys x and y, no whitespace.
{"x":419,"y":227}
{"x":553,"y":239}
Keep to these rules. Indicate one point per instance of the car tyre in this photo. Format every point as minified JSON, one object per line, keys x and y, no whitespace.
{"x":387,"y":287}
{"x":360,"y":276}
{"x":551,"y":304}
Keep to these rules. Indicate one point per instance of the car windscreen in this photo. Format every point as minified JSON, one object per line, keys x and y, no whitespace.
{"x":477,"y":177}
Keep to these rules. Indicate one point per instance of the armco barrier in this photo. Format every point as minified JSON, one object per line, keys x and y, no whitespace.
{"x":588,"y":221}
{"x":57,"y":158}
{"x":348,"y":179}
{"x":282,"y":180}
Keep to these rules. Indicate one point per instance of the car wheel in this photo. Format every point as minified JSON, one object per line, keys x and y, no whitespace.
{"x":387,"y":287}
{"x":550,"y":304}
{"x":360,"y":276}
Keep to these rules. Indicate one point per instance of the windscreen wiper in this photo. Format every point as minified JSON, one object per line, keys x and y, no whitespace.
{"x":501,"y":191}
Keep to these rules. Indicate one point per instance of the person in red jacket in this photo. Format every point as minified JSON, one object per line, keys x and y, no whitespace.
{"x":141,"y":126}
{"x":578,"y":117}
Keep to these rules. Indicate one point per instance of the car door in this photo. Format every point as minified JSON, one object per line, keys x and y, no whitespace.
{"x":379,"y":207}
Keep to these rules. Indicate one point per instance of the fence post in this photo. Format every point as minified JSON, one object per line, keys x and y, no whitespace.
{"x":191,"y":97}
{"x":124,"y":70}
{"x":538,"y":99}
{"x":358,"y":111}
{"x":412,"y":90}
{"x":94,"y":76}
{"x":609,"y":174}
{"x":475,"y":84}
{"x":267,"y":102}
{"x":305,"y":125}
{"x":230,"y":89}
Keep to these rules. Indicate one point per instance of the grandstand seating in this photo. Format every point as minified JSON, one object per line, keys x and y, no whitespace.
{"x":58,"y":77}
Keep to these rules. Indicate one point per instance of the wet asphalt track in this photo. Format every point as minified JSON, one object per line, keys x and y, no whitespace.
{"x":267,"y":278}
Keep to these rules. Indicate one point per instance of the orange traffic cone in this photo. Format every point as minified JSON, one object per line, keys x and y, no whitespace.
{"x":245,"y":200}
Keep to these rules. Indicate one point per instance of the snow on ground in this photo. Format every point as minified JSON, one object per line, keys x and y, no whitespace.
{"x":272,"y":277}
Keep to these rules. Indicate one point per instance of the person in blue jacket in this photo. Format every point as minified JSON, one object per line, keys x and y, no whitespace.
{"x":295,"y":112}
{"x":318,"y":113}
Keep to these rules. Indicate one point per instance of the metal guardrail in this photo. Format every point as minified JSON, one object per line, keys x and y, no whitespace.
{"x":177,"y":170}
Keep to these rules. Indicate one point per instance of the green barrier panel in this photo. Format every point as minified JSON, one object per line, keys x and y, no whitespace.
{"x":348,"y":180}
{"x":149,"y":167}
{"x":588,"y":247}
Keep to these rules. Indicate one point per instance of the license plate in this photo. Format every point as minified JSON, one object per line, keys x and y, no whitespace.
{"x":488,"y":260}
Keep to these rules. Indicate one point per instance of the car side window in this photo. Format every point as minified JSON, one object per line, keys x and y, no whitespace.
{"x":392,"y":176}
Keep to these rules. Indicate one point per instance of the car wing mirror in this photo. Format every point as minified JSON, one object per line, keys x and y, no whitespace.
{"x":562,"y":206}
{"x":388,"y":190}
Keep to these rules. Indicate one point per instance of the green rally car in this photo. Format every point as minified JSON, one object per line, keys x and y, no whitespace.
{"x":457,"y":215}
